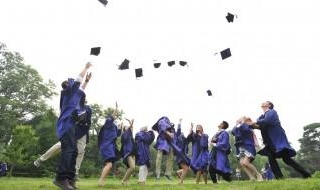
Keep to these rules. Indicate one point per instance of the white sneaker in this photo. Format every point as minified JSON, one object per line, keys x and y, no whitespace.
{"x":37,"y":163}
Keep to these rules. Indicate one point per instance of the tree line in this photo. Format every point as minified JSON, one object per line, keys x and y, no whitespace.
{"x":27,"y":127}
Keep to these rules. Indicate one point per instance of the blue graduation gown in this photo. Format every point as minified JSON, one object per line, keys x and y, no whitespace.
{"x":107,"y":140}
{"x":83,"y":127}
{"x":143,"y":140}
{"x":162,"y":143}
{"x":219,"y":153}
{"x":182,"y":147}
{"x":127,"y":145}
{"x":69,"y":102}
{"x":200,"y":153}
{"x":275,"y":138}
{"x":244,"y":138}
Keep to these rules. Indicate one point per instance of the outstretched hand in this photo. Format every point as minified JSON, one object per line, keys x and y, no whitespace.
{"x":88,"y":65}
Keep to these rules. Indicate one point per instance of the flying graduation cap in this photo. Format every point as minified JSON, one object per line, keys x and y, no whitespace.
{"x":225,"y":53}
{"x":138,"y":72}
{"x":124,"y":65}
{"x":183,"y":63}
{"x":209,"y":92}
{"x":104,"y":2}
{"x":230,"y":17}
{"x":171,"y":63}
{"x":157,"y":65}
{"x":95,"y":51}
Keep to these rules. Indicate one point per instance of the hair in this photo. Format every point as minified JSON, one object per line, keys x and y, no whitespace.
{"x":270,"y":105}
{"x":225,"y":125}
{"x":64,"y":84}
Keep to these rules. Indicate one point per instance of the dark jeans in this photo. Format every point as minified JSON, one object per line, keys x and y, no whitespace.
{"x":67,"y":161}
{"x":213,"y":174}
{"x":288,"y":160}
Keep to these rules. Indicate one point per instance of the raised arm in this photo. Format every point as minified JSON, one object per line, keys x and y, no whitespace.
{"x":86,"y":81}
{"x":115,"y":111}
{"x":84,"y":71}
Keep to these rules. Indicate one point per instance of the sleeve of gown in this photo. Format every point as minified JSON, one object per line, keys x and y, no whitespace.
{"x":223,"y":141}
{"x":268,"y":118}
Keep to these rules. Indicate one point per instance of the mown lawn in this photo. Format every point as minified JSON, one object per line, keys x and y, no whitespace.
{"x":112,"y":183}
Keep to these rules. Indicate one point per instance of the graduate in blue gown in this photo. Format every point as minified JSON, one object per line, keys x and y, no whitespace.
{"x":128,"y":150}
{"x":165,"y":131}
{"x":143,"y":140}
{"x":219,"y":161}
{"x":276,"y":142}
{"x":69,"y":103}
{"x":245,"y":147}
{"x":107,"y":137}
{"x":181,"y":157}
{"x":200,"y":153}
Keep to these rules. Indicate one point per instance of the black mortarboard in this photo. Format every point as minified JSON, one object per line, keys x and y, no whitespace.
{"x":182,"y":63}
{"x":209,"y":92}
{"x":170,"y":63}
{"x":139,"y":72}
{"x":225,"y":53}
{"x":156,"y":65}
{"x":124,"y":65}
{"x":104,"y":2}
{"x":95,"y":51}
{"x":230,"y":17}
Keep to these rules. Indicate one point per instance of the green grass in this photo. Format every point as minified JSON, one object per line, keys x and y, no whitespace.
{"x":112,"y":183}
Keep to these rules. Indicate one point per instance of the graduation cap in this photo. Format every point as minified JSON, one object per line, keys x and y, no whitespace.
{"x":124,"y":65}
{"x":170,"y":63}
{"x":225,"y":53}
{"x":157,"y":65}
{"x":230,"y":17}
{"x":182,"y":63}
{"x":104,"y":2}
{"x":95,"y":51}
{"x":138,"y":72}
{"x":209,"y":92}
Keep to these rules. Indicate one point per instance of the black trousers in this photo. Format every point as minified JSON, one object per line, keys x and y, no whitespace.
{"x":213,"y":174}
{"x":272,"y":157}
{"x":67,"y":162}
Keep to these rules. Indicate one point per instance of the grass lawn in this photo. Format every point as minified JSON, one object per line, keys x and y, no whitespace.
{"x":113,"y":183}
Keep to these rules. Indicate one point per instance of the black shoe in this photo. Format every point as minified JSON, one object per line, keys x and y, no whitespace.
{"x":168,"y":177}
{"x":73,"y":184}
{"x":63,"y":184}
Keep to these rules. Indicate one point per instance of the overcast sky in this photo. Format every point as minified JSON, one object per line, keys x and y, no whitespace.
{"x":274,"y":46}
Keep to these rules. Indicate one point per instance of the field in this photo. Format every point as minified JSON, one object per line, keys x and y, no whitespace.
{"x":112,"y":183}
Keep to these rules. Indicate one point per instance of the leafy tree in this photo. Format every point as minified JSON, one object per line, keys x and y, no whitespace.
{"x":22,"y":92}
{"x":309,"y":147}
{"x":21,"y":148}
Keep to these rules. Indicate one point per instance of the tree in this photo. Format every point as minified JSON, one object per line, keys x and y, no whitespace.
{"x":21,"y":148}
{"x":22,"y":92}
{"x":309,"y":147}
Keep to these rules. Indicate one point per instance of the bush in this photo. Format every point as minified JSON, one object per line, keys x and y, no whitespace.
{"x":316,"y":174}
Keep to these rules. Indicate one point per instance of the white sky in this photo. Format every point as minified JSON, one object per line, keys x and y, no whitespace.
{"x":274,"y":46}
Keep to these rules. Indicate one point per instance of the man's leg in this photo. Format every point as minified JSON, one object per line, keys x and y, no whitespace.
{"x":169,"y":164}
{"x":274,"y":166}
{"x":213,"y":174}
{"x":51,"y":152}
{"x":81,"y":145}
{"x":158,"y":164}
{"x":289,"y":161}
{"x":66,"y":165}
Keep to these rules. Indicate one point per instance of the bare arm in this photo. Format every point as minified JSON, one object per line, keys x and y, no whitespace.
{"x":83,"y":72}
{"x":86,"y":81}
{"x":115,"y":112}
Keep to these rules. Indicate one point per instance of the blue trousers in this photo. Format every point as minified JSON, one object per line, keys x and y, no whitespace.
{"x":67,"y":161}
